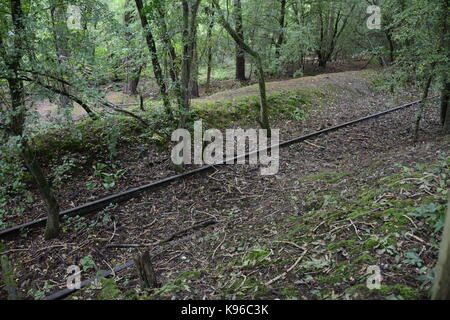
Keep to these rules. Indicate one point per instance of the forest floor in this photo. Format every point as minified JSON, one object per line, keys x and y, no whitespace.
{"x":362,"y":196}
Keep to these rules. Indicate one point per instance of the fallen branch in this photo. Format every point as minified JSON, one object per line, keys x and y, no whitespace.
{"x":173,"y":237}
{"x":284,"y":274}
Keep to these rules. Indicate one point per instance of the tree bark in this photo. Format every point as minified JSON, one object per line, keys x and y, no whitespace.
{"x":190,"y":10}
{"x":264,"y":112}
{"x":210,"y":14}
{"x":154,"y":56}
{"x":194,"y":89}
{"x":282,"y":20}
{"x":52,"y":229}
{"x":146,"y":271}
{"x":422,"y":106}
{"x":16,"y":126}
{"x":60,"y":30}
{"x":240,"y":53}
{"x":445,"y":109}
{"x":133,"y":69}
{"x":441,"y":286}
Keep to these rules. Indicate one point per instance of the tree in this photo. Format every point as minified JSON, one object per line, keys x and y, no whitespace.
{"x":441,"y":287}
{"x":58,"y":12}
{"x":240,"y":53}
{"x":189,"y":33}
{"x":154,"y":56}
{"x":12,"y":59}
{"x":282,"y":22}
{"x":132,"y":60}
{"x":332,"y":22}
{"x":209,"y":44}
{"x":264,"y":112}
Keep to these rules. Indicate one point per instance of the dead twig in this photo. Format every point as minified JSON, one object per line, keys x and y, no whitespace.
{"x":173,"y":237}
{"x":284,"y":274}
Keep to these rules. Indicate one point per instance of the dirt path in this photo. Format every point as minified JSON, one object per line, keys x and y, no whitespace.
{"x":341,"y":79}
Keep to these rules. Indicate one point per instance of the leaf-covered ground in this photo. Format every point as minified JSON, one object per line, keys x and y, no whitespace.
{"x":359,"y":197}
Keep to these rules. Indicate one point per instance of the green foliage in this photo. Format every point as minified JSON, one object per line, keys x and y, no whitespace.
{"x":61,"y":173}
{"x":178,"y":285}
{"x":108,"y":179}
{"x":41,"y":293}
{"x":87,"y":263}
{"x":14,"y":195}
{"x":109,"y":290}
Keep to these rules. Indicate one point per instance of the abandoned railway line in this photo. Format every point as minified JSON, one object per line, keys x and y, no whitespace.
{"x":102,"y":203}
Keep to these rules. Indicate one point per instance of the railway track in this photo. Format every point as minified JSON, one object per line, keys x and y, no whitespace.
{"x":185,"y":235}
{"x":102,"y":203}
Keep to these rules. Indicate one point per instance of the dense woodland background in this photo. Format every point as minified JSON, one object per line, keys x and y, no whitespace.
{"x":81,"y":81}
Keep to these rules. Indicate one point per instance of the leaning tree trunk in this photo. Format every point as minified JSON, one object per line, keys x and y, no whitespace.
{"x":264,"y":109}
{"x":52,"y":229}
{"x":154,"y":56}
{"x":17,"y":123}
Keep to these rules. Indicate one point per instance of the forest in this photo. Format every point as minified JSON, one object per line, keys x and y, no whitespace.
{"x":224,"y":150}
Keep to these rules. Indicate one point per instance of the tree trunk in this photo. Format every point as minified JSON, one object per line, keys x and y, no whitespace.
{"x":445,"y":109}
{"x":441,"y":287}
{"x":52,"y":229}
{"x":146,"y":271}
{"x":133,"y":83}
{"x":280,"y":40}
{"x":190,"y":11}
{"x":16,"y":126}
{"x":154,"y":56}
{"x":59,"y":21}
{"x":210,"y":15}
{"x":194,"y":78}
{"x":240,"y":53}
{"x":264,"y":113}
{"x":134,"y":68}
{"x":422,"y":106}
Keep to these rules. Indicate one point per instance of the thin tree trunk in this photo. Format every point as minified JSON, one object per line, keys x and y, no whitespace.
{"x":194,"y":89}
{"x":133,"y":69}
{"x":240,"y":53}
{"x":264,"y":113}
{"x":445,"y":109}
{"x":422,"y":107}
{"x":209,"y":43}
{"x":59,"y":21}
{"x":441,"y":286}
{"x":154,"y":56}
{"x":280,"y":40}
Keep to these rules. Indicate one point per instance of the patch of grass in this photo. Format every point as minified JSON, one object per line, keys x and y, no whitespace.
{"x":326,"y":176}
